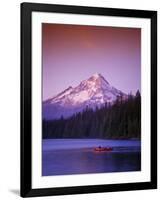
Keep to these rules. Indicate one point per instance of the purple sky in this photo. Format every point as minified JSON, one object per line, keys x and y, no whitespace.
{"x":72,"y":53}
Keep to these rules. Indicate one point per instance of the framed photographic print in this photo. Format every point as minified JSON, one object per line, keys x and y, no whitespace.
{"x":88,"y":99}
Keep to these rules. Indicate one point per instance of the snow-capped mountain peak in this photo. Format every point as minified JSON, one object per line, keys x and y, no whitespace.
{"x":91,"y":92}
{"x":96,"y":76}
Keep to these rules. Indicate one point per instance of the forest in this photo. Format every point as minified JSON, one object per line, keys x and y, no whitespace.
{"x":119,"y":120}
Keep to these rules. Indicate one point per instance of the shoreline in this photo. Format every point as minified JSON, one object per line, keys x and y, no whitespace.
{"x":130,"y":139}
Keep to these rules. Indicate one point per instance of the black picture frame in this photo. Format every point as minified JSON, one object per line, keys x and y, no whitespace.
{"x":26,"y":103}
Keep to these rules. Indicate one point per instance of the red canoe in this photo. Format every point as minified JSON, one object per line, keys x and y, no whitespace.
{"x":103,"y":149}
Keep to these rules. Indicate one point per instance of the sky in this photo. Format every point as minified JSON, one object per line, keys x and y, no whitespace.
{"x":72,"y":53}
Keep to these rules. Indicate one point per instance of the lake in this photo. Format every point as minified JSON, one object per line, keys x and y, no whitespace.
{"x":77,"y":156}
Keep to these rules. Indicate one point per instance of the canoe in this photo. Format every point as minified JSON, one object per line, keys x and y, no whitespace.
{"x":103,"y":149}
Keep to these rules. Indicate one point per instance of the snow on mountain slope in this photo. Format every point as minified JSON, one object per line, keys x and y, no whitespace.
{"x":60,"y":95}
{"x":92,"y":92}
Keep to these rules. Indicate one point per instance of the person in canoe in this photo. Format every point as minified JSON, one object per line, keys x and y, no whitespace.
{"x":103,"y":148}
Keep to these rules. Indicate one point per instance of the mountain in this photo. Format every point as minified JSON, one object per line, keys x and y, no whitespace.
{"x":92,"y":92}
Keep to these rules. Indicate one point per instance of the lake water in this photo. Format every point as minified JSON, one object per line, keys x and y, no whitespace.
{"x":77,"y":156}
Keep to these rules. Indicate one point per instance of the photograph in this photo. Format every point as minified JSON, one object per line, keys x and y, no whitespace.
{"x":91,"y":99}
{"x":88,"y":99}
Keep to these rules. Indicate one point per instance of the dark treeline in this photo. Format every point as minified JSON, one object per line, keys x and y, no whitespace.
{"x":121,"y":120}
